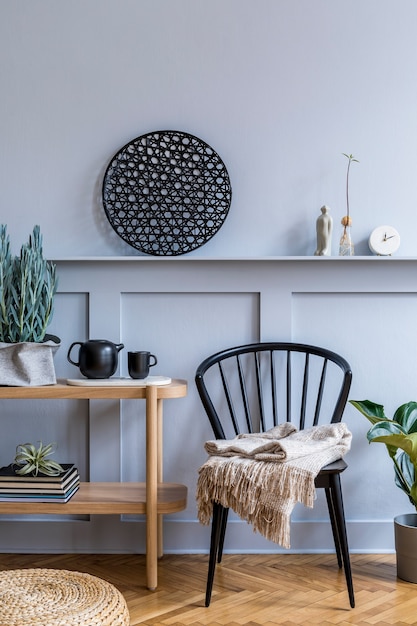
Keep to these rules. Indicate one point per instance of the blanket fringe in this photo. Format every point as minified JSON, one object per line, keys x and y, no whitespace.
{"x":264,"y":488}
{"x":262,"y":505}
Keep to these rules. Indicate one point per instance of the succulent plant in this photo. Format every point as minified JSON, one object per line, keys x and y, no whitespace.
{"x":34,"y":459}
{"x":28,"y":285}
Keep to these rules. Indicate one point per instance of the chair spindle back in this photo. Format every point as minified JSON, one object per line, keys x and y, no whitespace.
{"x":254,"y":387}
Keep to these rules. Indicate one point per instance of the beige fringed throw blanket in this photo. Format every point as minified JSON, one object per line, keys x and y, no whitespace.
{"x":262,"y":476}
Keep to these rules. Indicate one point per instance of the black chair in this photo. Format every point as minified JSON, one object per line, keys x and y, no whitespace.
{"x":255,"y":387}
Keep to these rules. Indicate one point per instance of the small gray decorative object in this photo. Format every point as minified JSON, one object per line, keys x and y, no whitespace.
{"x":27,"y":363}
{"x":324,"y":228}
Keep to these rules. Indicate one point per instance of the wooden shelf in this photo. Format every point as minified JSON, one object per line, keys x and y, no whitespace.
{"x":154,"y":498}
{"x":62,"y":391}
{"x":106,"y":499}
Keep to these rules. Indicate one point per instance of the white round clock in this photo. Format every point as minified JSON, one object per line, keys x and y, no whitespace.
{"x":384,"y":240}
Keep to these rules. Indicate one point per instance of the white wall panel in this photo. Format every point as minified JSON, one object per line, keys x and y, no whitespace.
{"x":383,"y":356}
{"x":181,"y":329}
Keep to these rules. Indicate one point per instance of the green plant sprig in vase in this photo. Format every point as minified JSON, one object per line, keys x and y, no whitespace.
{"x":346,"y":247}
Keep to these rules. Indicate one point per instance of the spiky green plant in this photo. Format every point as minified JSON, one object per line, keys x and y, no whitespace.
{"x":34,"y":459}
{"x":28,"y":285}
{"x":6,"y":278}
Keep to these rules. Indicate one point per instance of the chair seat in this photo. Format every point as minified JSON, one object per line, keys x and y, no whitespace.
{"x":322,"y":480}
{"x":338,"y":466}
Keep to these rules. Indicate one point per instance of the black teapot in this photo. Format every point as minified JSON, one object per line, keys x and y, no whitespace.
{"x":97,"y":358}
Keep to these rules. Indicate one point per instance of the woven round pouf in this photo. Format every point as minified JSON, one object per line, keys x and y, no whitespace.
{"x":55,"y":597}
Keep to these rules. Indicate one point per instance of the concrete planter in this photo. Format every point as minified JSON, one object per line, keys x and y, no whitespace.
{"x":405,"y":527}
{"x":28,"y":363}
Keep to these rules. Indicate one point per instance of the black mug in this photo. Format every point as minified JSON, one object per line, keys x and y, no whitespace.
{"x":138,"y":363}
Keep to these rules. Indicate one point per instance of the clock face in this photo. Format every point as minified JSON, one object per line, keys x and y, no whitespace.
{"x":384,"y":240}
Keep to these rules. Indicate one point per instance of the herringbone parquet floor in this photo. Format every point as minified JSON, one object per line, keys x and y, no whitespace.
{"x":249,"y":590}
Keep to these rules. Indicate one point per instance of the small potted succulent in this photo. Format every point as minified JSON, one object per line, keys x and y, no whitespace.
{"x":399,"y":434}
{"x":28,"y":284}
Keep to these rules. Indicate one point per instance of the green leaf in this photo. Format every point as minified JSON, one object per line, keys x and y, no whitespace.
{"x":371,"y":410}
{"x":382,"y":430}
{"x":27,"y":449}
{"x":413,"y":494}
{"x":400,"y":438}
{"x":45,"y":450}
{"x":408,"y":443}
{"x":350,"y":157}
{"x":26,"y":469}
{"x":51,"y":468}
{"x":404,"y":472}
{"x":406,"y":415}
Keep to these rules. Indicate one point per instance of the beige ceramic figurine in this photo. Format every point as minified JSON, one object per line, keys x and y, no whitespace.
{"x":324,"y":228}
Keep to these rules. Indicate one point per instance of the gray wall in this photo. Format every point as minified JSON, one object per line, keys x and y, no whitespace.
{"x":280,"y":90}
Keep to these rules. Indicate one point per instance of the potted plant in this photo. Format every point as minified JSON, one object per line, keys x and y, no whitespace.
{"x":399,"y":434}
{"x":28,"y":285}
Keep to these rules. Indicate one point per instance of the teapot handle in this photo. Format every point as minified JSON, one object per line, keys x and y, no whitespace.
{"x":76,"y":343}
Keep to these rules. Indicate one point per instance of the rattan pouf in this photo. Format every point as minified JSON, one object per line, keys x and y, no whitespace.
{"x":55,"y":597}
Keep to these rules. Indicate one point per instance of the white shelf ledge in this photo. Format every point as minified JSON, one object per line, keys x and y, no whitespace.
{"x":189,"y":259}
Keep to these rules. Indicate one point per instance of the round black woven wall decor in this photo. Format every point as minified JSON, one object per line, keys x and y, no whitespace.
{"x":166,"y":193}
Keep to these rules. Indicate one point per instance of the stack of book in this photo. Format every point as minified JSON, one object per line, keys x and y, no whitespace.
{"x":40,"y":488}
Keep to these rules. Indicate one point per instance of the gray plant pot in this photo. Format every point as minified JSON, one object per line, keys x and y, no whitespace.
{"x":28,"y":364}
{"x":405,"y":527}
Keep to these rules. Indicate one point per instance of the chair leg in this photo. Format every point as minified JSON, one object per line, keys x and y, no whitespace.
{"x":223,"y":524}
{"x":336,"y":497}
{"x":333,"y":523}
{"x":216,"y":529}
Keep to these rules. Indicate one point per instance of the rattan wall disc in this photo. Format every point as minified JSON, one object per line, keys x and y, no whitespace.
{"x":166,"y":193}
{"x":49,"y":597}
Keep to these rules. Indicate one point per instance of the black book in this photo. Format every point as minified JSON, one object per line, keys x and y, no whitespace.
{"x":16,"y":489}
{"x":61,"y":498}
{"x":9,"y":478}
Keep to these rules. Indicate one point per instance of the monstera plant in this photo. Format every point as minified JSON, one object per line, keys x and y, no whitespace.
{"x":399,"y":434}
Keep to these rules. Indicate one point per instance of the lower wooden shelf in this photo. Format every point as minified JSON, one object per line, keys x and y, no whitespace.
{"x":106,"y":499}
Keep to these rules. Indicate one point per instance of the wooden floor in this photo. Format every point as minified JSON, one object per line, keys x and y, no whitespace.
{"x":249,"y":589}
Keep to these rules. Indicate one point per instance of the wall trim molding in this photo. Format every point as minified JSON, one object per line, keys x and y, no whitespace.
{"x":160,"y":304}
